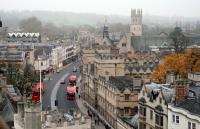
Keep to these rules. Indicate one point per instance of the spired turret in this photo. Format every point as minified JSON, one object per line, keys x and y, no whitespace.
{"x":105,"y":30}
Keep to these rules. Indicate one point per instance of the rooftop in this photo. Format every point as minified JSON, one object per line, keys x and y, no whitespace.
{"x":154,"y":89}
{"x":23,"y":35}
{"x":121,"y":82}
{"x":7,"y":110}
{"x":132,"y":122}
{"x":192,"y":102}
{"x":191,"y":105}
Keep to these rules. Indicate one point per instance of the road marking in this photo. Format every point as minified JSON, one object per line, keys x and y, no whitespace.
{"x":55,"y":90}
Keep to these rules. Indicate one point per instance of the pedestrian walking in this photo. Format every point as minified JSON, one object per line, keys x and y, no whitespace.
{"x":59,"y":120}
{"x":96,"y":120}
{"x":106,"y":126}
{"x":79,"y":96}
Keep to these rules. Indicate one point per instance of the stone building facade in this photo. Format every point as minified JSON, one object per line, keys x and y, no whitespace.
{"x":16,"y":54}
{"x":116,"y":97}
{"x":136,"y":22}
{"x":153,"y":106}
{"x":112,"y":64}
{"x":105,"y":86}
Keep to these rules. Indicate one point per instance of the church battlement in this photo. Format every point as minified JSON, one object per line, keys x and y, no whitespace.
{"x":136,"y":12}
{"x":111,"y":58}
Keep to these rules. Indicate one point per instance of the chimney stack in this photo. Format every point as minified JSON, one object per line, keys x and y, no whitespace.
{"x":181,"y":91}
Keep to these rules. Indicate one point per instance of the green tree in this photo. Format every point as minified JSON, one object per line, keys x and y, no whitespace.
{"x":23,"y":78}
{"x":179,"y":40}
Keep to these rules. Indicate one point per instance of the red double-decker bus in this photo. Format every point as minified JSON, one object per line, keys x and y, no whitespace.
{"x":36,"y":92}
{"x":71,"y":92}
{"x":72,"y":80}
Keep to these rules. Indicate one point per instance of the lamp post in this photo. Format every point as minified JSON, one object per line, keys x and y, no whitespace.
{"x":40,"y":90}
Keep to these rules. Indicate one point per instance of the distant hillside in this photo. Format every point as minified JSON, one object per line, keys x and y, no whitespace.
{"x":60,"y":18}
{"x":12,"y":18}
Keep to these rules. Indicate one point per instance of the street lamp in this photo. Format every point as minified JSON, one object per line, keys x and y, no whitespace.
{"x":40,"y":89}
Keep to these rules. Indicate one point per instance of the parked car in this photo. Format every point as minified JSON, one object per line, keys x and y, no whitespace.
{"x":68,"y":117}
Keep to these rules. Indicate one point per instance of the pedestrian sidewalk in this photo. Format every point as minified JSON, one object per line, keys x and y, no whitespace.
{"x":79,"y":101}
{"x":83,"y":107}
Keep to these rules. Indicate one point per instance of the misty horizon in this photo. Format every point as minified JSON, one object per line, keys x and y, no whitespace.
{"x":93,"y":13}
{"x":169,"y":8}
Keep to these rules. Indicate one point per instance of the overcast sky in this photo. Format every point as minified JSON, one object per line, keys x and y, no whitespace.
{"x":187,"y":8}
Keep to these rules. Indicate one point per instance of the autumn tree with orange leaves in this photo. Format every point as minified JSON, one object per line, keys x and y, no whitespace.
{"x":182,"y":63}
{"x":159,"y":74}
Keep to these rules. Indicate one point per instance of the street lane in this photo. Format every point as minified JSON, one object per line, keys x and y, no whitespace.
{"x":61,"y":94}
{"x":65,"y":105}
{"x":55,"y":91}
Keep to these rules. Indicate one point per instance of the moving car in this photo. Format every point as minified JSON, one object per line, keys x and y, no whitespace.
{"x":75,"y":69}
{"x":58,"y":71}
{"x":62,"y":81}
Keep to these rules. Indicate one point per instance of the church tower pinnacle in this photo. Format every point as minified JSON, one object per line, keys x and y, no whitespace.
{"x":136,"y":22}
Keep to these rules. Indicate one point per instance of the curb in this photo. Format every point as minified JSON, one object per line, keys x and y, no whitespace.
{"x":81,"y":100}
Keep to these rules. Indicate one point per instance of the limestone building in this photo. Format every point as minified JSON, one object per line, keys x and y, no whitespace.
{"x":153,"y":106}
{"x":136,"y":22}
{"x":117,"y":97}
{"x":16,"y":54}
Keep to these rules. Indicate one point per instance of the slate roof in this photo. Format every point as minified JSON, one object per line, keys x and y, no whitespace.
{"x":192,"y":102}
{"x":191,"y":105}
{"x":7,"y":110}
{"x":121,"y":82}
{"x":133,"y":122}
{"x":154,"y":88}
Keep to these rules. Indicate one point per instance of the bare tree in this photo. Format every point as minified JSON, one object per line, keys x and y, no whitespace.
{"x":180,"y":41}
{"x":31,"y":24}
{"x":50,"y":30}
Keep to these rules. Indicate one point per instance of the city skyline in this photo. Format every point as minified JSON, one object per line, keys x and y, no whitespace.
{"x":167,"y":8}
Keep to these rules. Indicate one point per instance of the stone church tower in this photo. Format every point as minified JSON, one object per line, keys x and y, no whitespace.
{"x":136,"y":22}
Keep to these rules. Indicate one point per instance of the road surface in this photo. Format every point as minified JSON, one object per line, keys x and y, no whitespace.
{"x":53,"y":89}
